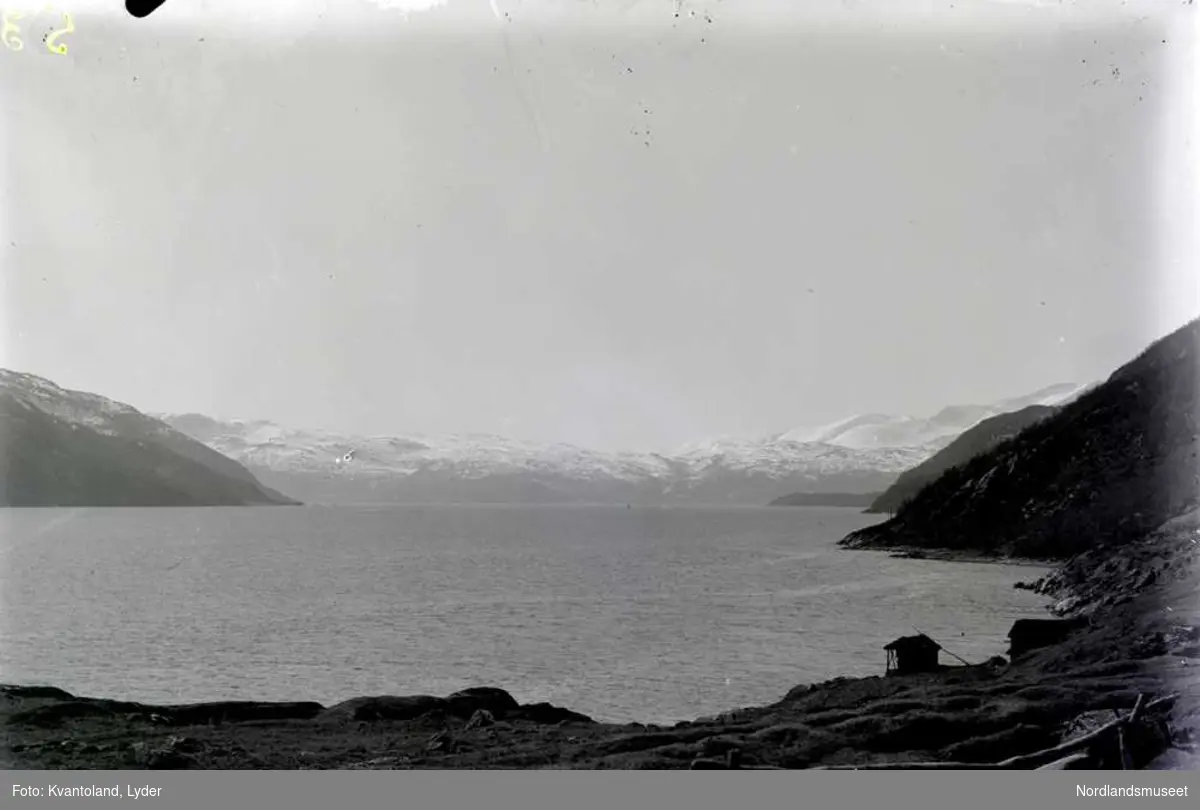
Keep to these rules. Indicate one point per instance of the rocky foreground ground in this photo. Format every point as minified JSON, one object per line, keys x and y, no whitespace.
{"x":969,"y":715}
{"x":1144,"y":639}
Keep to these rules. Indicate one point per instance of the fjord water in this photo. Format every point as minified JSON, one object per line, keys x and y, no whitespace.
{"x":646,"y":614}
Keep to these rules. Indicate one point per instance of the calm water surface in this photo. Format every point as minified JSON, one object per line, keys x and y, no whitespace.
{"x":648,"y":614}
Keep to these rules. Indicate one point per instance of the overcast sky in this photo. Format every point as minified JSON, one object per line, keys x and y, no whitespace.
{"x":595,"y":222}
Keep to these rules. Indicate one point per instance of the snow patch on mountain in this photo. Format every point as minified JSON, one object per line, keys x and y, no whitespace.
{"x":74,"y":407}
{"x":781,"y":457}
{"x":880,"y":431}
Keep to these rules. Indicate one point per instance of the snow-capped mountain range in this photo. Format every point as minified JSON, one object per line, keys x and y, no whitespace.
{"x":266,"y":444}
{"x":863,"y":454}
{"x":858,"y":455}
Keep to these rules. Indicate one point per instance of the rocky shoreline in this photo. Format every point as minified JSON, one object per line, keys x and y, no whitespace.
{"x":966,"y":556}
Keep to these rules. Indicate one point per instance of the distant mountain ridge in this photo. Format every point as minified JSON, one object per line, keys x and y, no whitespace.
{"x":60,"y":447}
{"x":327,"y":466}
{"x":333,"y":467}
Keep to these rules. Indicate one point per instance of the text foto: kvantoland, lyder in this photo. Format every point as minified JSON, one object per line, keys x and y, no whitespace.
{"x":88,"y":791}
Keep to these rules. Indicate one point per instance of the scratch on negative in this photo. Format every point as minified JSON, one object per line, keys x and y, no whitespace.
{"x":530,"y":112}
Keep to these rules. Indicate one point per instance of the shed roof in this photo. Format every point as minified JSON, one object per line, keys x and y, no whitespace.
{"x":1039,"y":626}
{"x":913,"y":643}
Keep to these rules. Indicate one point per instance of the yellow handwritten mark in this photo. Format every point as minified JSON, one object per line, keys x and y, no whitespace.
{"x":9,"y":33}
{"x":70,"y":27}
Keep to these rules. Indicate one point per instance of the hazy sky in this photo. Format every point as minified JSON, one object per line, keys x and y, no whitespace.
{"x":595,"y":221}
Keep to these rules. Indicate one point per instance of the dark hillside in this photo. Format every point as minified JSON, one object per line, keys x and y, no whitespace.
{"x":46,"y":460}
{"x":984,"y":436}
{"x":1108,"y":468}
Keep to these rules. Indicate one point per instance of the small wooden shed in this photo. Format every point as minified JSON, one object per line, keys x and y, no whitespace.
{"x":1033,"y":634}
{"x":912,"y":654}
